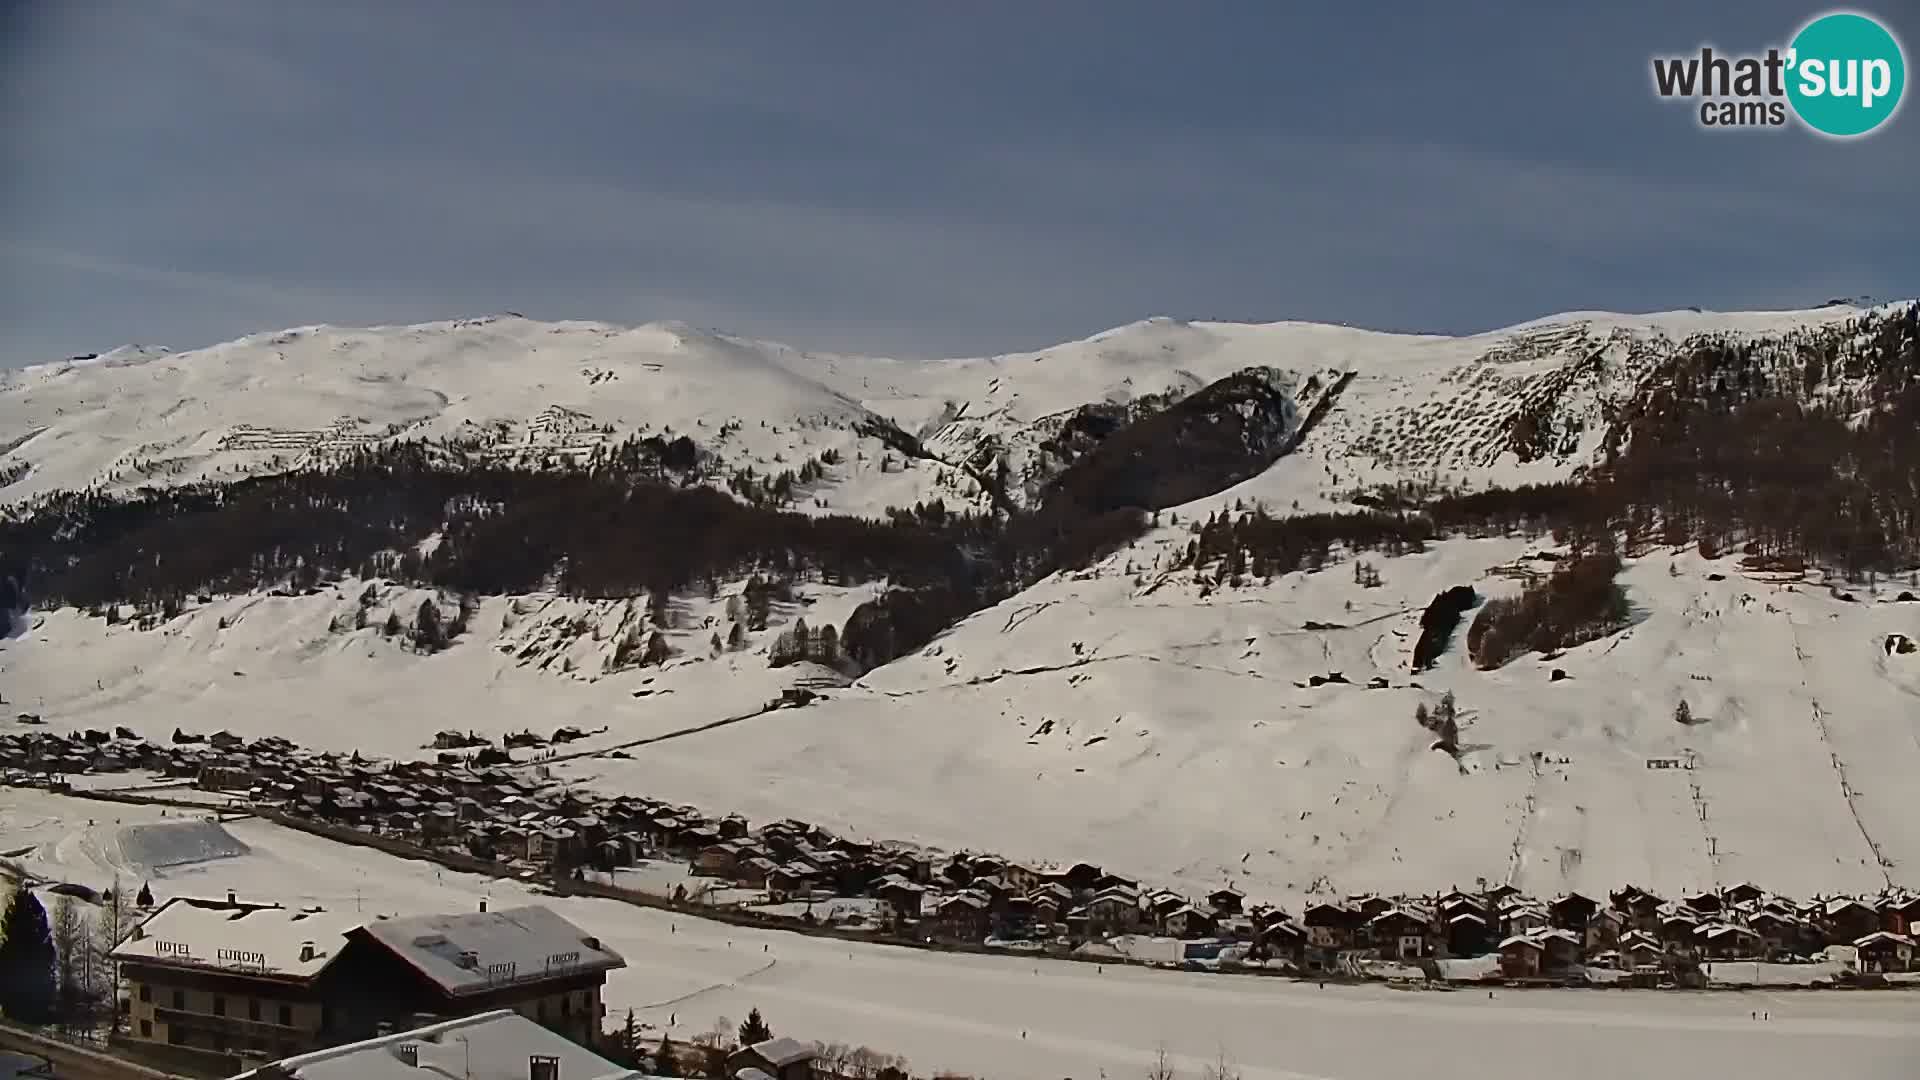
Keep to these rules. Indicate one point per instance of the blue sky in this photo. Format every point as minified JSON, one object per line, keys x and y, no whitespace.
{"x":907,"y":178}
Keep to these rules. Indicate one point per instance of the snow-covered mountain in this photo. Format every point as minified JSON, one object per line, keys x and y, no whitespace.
{"x":1416,"y":405}
{"x":1131,"y":711}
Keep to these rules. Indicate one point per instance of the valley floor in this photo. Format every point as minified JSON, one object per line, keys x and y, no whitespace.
{"x":1018,"y":1018}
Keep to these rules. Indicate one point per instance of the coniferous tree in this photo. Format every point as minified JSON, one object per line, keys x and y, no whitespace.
{"x":754,"y":1030}
{"x":663,"y":1058}
{"x":28,"y":987}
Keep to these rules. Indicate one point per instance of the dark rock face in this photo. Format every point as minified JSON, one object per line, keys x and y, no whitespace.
{"x":1215,"y":438}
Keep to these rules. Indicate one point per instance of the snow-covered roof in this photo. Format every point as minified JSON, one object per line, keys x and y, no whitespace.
{"x":782,"y":1051}
{"x":490,"y":1046}
{"x":268,"y":941}
{"x":470,"y":952}
{"x":1880,"y":936}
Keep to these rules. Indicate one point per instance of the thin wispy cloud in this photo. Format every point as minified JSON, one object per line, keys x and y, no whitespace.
{"x":883,"y":178}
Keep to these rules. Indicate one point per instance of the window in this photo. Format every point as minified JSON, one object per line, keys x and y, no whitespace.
{"x":180,"y":999}
{"x":566,"y":1005}
{"x":146,"y":992}
{"x":286,"y":1016}
{"x":253,"y":1011}
{"x":219,"y":1005}
{"x":176,"y":1035}
{"x":146,"y":1029}
{"x":541,"y":1009}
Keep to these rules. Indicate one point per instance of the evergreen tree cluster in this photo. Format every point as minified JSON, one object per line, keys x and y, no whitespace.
{"x":29,"y":990}
{"x":1577,"y":603}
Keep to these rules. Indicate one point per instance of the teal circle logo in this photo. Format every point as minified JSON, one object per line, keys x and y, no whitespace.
{"x":1846,"y":74}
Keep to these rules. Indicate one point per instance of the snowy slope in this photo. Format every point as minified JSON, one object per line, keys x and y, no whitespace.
{"x":1123,"y":714}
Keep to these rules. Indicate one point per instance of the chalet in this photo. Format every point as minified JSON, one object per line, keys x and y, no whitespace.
{"x":1846,"y":919}
{"x":1187,"y":921}
{"x":1744,"y":892}
{"x":1163,"y":903}
{"x":1227,"y":900}
{"x":1728,"y":941}
{"x":901,"y":896}
{"x":1330,"y":926}
{"x":226,"y":776}
{"x":986,"y":866}
{"x":1640,"y":949}
{"x":752,"y":872}
{"x":527,"y":959}
{"x":1047,"y":910}
{"x":1021,"y":877}
{"x":1603,"y":930}
{"x":1703,"y":903}
{"x":1283,"y":941}
{"x":1370,"y":905}
{"x":717,"y":860}
{"x":1524,"y":918}
{"x":1399,"y":935}
{"x":1883,"y":952}
{"x":1779,"y":934}
{"x":1111,"y":912}
{"x":794,"y":881}
{"x":1641,"y":908}
{"x":1080,"y":879}
{"x":556,"y":846}
{"x":1467,"y":934}
{"x":775,"y":1059}
{"x":962,"y":918}
{"x":1522,"y":957}
{"x":1061,"y":896}
{"x":1677,"y":929}
{"x":1572,"y":911}
{"x":1562,"y":950}
{"x":1900,"y":915}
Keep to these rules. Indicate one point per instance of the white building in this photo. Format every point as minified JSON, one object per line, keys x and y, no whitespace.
{"x":500,"y":1045}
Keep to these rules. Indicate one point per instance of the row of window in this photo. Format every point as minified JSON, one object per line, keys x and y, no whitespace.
{"x":180,"y":1036}
{"x":254,"y":1011}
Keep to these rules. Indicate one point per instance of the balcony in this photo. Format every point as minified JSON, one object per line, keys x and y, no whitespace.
{"x":230,"y":1025}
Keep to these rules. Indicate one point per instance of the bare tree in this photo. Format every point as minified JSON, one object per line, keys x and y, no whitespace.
{"x":1162,"y":1068}
{"x":830,"y":1059}
{"x":110,"y":927}
{"x":72,"y":942}
{"x":1220,"y":1068}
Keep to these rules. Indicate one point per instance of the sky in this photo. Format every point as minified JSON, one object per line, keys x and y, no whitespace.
{"x":906,"y":178}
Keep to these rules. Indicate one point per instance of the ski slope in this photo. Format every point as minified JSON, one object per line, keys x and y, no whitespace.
{"x":1166,"y":734}
{"x":1021,"y":1019}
